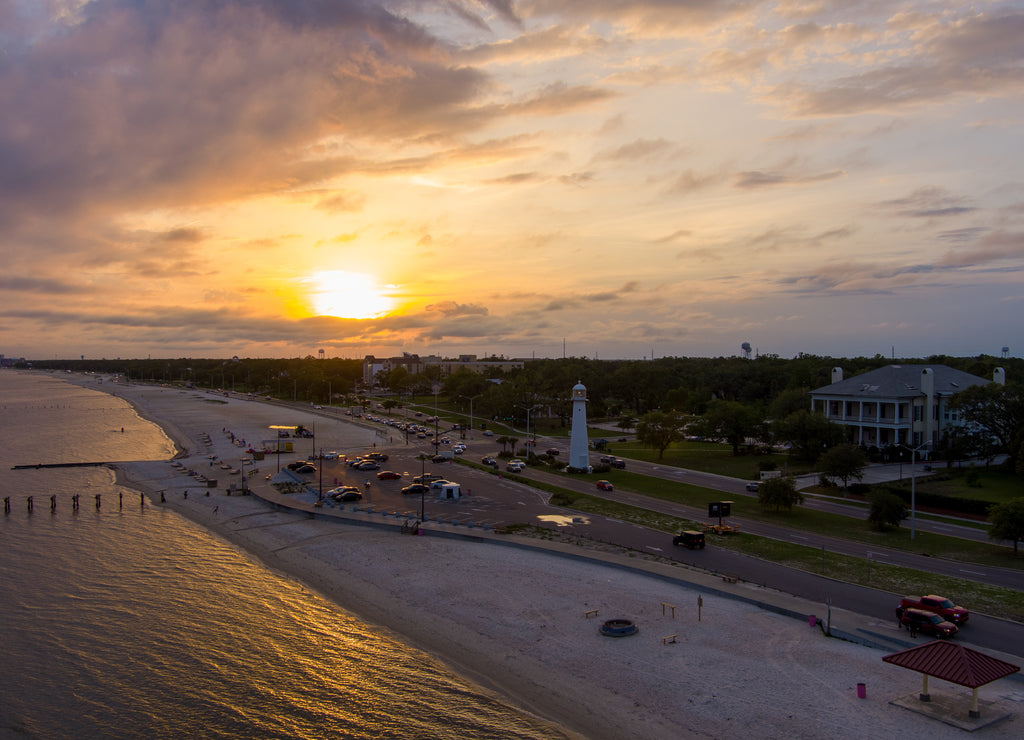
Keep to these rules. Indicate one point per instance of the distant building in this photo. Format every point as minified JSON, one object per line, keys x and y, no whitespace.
{"x":896,"y":404}
{"x":373,"y":366}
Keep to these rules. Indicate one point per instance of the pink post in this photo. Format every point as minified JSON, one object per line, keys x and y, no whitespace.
{"x":862,"y":691}
{"x":812,"y":621}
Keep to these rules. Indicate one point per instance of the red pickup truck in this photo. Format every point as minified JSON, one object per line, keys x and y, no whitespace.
{"x":940,"y":605}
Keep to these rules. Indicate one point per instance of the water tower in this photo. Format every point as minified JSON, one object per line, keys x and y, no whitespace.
{"x":746,"y":349}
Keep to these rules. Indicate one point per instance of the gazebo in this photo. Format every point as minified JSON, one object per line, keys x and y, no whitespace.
{"x":954,"y":663}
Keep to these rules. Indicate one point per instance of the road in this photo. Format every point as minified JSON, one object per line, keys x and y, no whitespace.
{"x":497,"y":501}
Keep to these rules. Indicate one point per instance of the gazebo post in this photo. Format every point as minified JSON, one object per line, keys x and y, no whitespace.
{"x":925,"y":696}
{"x":975,"y":713}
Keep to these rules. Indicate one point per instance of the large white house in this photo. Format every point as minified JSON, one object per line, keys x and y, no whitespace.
{"x":896,"y":404}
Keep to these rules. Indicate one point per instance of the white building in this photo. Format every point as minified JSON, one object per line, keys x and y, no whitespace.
{"x":897,"y":404}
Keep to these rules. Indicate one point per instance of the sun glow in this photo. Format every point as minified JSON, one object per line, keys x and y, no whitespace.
{"x":348,"y":295}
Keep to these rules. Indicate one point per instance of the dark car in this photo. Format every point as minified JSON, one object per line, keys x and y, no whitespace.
{"x":426,"y":478}
{"x":929,"y":623}
{"x":346,"y":493}
{"x":753,"y":487}
{"x":690,"y":539}
{"x":553,"y":451}
{"x":305,"y":469}
{"x":378,"y":456}
{"x":416,"y":488}
{"x":296,"y":464}
{"x":618,"y":463}
{"x":367,"y":465}
{"x":439,"y":459}
{"x":489,"y":461}
{"x":388,"y":475}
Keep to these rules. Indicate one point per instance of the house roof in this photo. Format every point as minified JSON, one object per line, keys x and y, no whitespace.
{"x":901,"y":381}
{"x":954,"y":663}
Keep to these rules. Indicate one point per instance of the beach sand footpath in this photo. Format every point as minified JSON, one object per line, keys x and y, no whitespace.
{"x":515,"y":621}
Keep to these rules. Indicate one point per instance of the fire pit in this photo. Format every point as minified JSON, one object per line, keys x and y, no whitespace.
{"x":619,"y":628}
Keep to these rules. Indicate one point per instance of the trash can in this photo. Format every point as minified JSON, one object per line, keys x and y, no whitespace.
{"x":812,"y":621}
{"x":862,"y":691}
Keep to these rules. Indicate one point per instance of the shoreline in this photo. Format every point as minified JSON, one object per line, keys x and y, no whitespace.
{"x":513,"y":622}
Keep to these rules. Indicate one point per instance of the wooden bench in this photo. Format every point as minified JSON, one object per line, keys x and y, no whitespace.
{"x":730,"y":577}
{"x":668,"y":639}
{"x":591,"y":613}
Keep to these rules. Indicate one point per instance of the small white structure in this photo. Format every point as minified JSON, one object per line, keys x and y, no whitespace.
{"x":449,"y":491}
{"x":579,"y":455}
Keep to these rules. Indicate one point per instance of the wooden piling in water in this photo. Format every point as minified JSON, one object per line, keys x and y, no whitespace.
{"x":30,"y":504}
{"x":97,"y":501}
{"x":7,"y":504}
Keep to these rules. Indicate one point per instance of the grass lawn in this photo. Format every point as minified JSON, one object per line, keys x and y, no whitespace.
{"x":990,"y":484}
{"x":708,"y":457}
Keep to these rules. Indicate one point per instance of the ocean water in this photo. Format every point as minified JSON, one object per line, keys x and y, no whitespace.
{"x":129,"y":621}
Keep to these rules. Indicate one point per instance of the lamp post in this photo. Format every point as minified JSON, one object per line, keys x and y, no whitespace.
{"x":913,"y":487}
{"x":437,"y":389}
{"x":471,"y":412}
{"x":528,"y":410}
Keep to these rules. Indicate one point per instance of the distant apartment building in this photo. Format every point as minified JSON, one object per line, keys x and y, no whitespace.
{"x":897,"y":404}
{"x":374,"y":366}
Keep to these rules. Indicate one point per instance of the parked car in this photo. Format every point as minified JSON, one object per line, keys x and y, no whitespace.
{"x":441,"y":483}
{"x":416,"y":488}
{"x":603,"y":485}
{"x":378,"y":456}
{"x":940,"y":605}
{"x":439,"y":459}
{"x":690,"y":539}
{"x":426,"y":478}
{"x":355,"y":462}
{"x":753,"y":487}
{"x":618,"y":463}
{"x":332,"y":455}
{"x":296,"y":464}
{"x":928,"y":623}
{"x":367,"y":465}
{"x":553,"y":451}
{"x":388,"y":475}
{"x":347,"y":495}
{"x":305,"y":469}
{"x":488,"y":460}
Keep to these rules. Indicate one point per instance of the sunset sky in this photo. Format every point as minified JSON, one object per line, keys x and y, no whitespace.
{"x":600,"y":178}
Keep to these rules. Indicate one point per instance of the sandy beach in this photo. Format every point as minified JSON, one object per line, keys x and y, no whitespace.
{"x":522,"y":622}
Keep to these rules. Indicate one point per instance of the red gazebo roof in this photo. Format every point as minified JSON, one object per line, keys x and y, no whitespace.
{"x":954,"y":663}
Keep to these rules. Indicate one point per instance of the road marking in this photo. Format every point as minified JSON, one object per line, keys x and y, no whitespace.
{"x":652,"y":547}
{"x":798,"y":537}
{"x":972,"y":572}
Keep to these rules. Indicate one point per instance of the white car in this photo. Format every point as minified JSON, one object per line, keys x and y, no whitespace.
{"x":441,"y":483}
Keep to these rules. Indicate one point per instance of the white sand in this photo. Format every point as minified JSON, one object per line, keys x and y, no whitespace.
{"x":514,"y":620}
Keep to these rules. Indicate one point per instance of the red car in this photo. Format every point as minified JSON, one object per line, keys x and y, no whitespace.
{"x":603,"y":485}
{"x":388,"y":475}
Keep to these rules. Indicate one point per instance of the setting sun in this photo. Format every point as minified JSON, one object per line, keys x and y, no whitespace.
{"x":348,"y":295}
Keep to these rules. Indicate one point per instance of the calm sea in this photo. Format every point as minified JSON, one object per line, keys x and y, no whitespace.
{"x":130,"y":621}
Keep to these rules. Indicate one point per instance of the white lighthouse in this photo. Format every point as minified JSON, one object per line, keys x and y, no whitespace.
{"x":579,"y":457}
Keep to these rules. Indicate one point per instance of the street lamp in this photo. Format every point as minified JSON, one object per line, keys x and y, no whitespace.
{"x":471,"y":412}
{"x":528,"y":410}
{"x":913,"y":486}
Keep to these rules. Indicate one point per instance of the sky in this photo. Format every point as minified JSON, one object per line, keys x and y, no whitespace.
{"x":529,"y":178}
